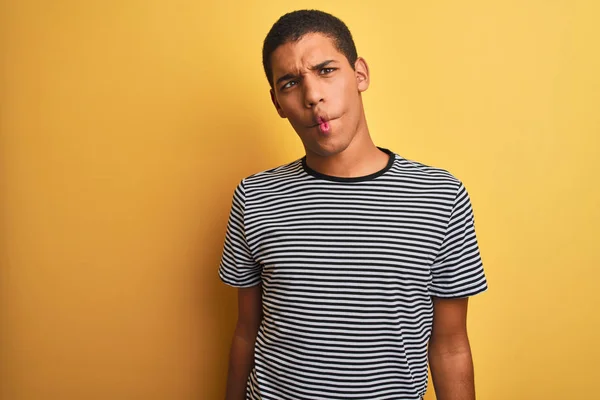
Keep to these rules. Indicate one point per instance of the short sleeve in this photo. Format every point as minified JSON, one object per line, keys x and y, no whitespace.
{"x":238,"y":267}
{"x":457,"y":270}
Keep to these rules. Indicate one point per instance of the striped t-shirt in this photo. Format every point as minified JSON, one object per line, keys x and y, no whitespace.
{"x":348,"y":267}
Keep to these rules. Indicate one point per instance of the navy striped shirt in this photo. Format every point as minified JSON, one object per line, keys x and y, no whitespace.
{"x":348,"y":267}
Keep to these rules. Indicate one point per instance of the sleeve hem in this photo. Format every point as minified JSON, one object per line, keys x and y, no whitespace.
{"x":459,"y":295}
{"x":231,"y":283}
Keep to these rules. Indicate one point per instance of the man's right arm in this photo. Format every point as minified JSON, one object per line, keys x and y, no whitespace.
{"x":241,"y":356}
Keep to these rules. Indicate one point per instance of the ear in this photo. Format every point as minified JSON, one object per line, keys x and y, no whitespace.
{"x":361,"y":70}
{"x":276,"y":104}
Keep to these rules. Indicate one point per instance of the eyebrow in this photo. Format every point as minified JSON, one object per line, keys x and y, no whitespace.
{"x":313,"y":68}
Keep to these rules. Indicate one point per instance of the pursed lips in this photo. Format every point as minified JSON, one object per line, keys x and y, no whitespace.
{"x":321,"y":120}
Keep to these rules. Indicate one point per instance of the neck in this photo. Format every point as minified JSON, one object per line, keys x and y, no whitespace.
{"x":360,"y":158}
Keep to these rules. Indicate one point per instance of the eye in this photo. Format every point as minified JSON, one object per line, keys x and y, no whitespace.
{"x":326,"y":71}
{"x":288,"y":85}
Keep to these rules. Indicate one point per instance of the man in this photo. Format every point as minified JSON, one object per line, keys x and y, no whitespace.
{"x":353,"y":264}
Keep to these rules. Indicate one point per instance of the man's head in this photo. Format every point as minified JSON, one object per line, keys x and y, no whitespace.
{"x":316,"y":80}
{"x":293,"y":26}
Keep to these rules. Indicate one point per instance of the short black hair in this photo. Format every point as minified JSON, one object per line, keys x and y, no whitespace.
{"x":293,"y":26}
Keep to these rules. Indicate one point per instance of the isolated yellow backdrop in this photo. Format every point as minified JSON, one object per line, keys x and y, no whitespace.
{"x":125,"y":126}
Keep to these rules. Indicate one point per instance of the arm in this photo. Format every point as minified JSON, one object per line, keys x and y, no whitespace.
{"x":241,"y":357}
{"x":449,"y":351}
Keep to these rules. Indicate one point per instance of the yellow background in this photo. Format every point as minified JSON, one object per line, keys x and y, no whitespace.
{"x":125,"y":126}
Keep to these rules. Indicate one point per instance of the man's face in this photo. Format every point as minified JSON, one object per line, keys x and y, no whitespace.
{"x":318,"y":91}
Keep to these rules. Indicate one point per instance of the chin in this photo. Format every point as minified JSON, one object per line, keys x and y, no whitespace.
{"x":326,"y":149}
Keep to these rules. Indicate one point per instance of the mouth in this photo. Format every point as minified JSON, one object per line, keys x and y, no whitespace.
{"x":324,"y":126}
{"x":320,"y":121}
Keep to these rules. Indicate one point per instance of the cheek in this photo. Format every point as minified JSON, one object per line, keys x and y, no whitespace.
{"x":347,"y":91}
{"x":290,"y":105}
{"x":294,"y":115}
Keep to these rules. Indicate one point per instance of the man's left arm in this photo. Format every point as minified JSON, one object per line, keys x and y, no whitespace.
{"x":450,"y":358}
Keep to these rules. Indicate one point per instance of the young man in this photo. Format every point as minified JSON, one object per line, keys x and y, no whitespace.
{"x":353,"y":264}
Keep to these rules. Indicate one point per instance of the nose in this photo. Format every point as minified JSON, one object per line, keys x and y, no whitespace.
{"x":313,"y":92}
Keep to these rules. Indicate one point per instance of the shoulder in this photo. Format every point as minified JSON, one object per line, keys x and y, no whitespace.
{"x":423,"y":175}
{"x":275,"y":177}
{"x":408,"y":167}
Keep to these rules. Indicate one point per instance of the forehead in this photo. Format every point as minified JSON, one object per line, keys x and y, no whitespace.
{"x":311,"y":49}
